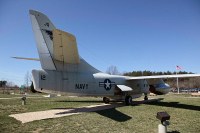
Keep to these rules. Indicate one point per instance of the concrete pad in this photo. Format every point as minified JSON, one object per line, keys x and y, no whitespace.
{"x":55,"y":113}
{"x":195,"y":94}
{"x":10,"y":98}
{"x":17,"y":98}
{"x":60,"y":112}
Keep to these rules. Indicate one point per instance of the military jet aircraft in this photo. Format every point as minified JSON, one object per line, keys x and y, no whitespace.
{"x":64,"y":71}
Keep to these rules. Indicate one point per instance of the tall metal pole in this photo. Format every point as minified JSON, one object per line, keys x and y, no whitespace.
{"x":177,"y":82}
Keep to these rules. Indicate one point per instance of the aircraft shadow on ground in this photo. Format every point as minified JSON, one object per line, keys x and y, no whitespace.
{"x":108,"y":111}
{"x":175,"y":105}
{"x":173,"y":132}
{"x":79,"y":101}
{"x":114,"y":115}
{"x":88,"y":101}
{"x":138,"y":103}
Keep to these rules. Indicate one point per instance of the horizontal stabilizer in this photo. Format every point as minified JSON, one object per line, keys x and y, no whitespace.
{"x":23,"y":58}
{"x":124,"y":88}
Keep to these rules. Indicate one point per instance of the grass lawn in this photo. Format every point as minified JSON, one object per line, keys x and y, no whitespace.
{"x":184,"y":112}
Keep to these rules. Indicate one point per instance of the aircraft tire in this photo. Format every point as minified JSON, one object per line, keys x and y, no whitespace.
{"x":128,"y":100}
{"x":145,"y":98}
{"x":106,"y":100}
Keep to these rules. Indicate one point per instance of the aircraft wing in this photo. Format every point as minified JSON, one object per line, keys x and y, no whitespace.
{"x":164,"y":76}
{"x":157,"y":85}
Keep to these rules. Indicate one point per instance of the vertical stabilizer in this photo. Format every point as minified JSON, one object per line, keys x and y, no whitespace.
{"x":42,"y":28}
{"x":57,"y":49}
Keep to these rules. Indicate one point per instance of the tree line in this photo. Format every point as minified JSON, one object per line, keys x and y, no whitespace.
{"x":3,"y":83}
{"x":151,"y":73}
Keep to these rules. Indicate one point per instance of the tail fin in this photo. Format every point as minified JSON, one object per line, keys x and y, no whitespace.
{"x":57,"y":49}
{"x":53,"y":45}
{"x":42,"y":28}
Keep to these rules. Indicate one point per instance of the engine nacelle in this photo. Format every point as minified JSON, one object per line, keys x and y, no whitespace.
{"x":160,"y":89}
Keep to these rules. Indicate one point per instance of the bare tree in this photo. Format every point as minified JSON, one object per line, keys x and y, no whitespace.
{"x":112,"y":70}
{"x":10,"y":87}
{"x":27,"y":80}
{"x":10,"y":84}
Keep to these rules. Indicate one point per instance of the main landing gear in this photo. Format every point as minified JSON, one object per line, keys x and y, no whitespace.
{"x":106,"y":100}
{"x":128,"y":100}
{"x":145,"y":96}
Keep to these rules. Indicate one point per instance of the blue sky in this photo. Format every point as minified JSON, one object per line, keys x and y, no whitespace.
{"x":151,"y":35}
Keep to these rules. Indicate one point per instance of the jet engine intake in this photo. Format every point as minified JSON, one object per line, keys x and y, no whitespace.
{"x":159,"y":89}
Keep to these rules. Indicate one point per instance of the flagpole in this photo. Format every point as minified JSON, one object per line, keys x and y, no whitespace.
{"x":177,"y":82}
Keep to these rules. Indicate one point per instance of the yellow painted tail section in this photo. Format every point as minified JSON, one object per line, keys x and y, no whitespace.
{"x":65,"y":47}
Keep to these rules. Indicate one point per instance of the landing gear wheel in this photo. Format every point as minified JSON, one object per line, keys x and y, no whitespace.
{"x":106,"y":100}
{"x":145,"y":98}
{"x":128,"y":100}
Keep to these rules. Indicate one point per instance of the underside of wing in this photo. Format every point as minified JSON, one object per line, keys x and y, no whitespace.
{"x":164,"y":76}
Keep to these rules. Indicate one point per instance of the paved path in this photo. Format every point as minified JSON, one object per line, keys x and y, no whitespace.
{"x":17,"y":98}
{"x":55,"y":113}
{"x":10,"y":98}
